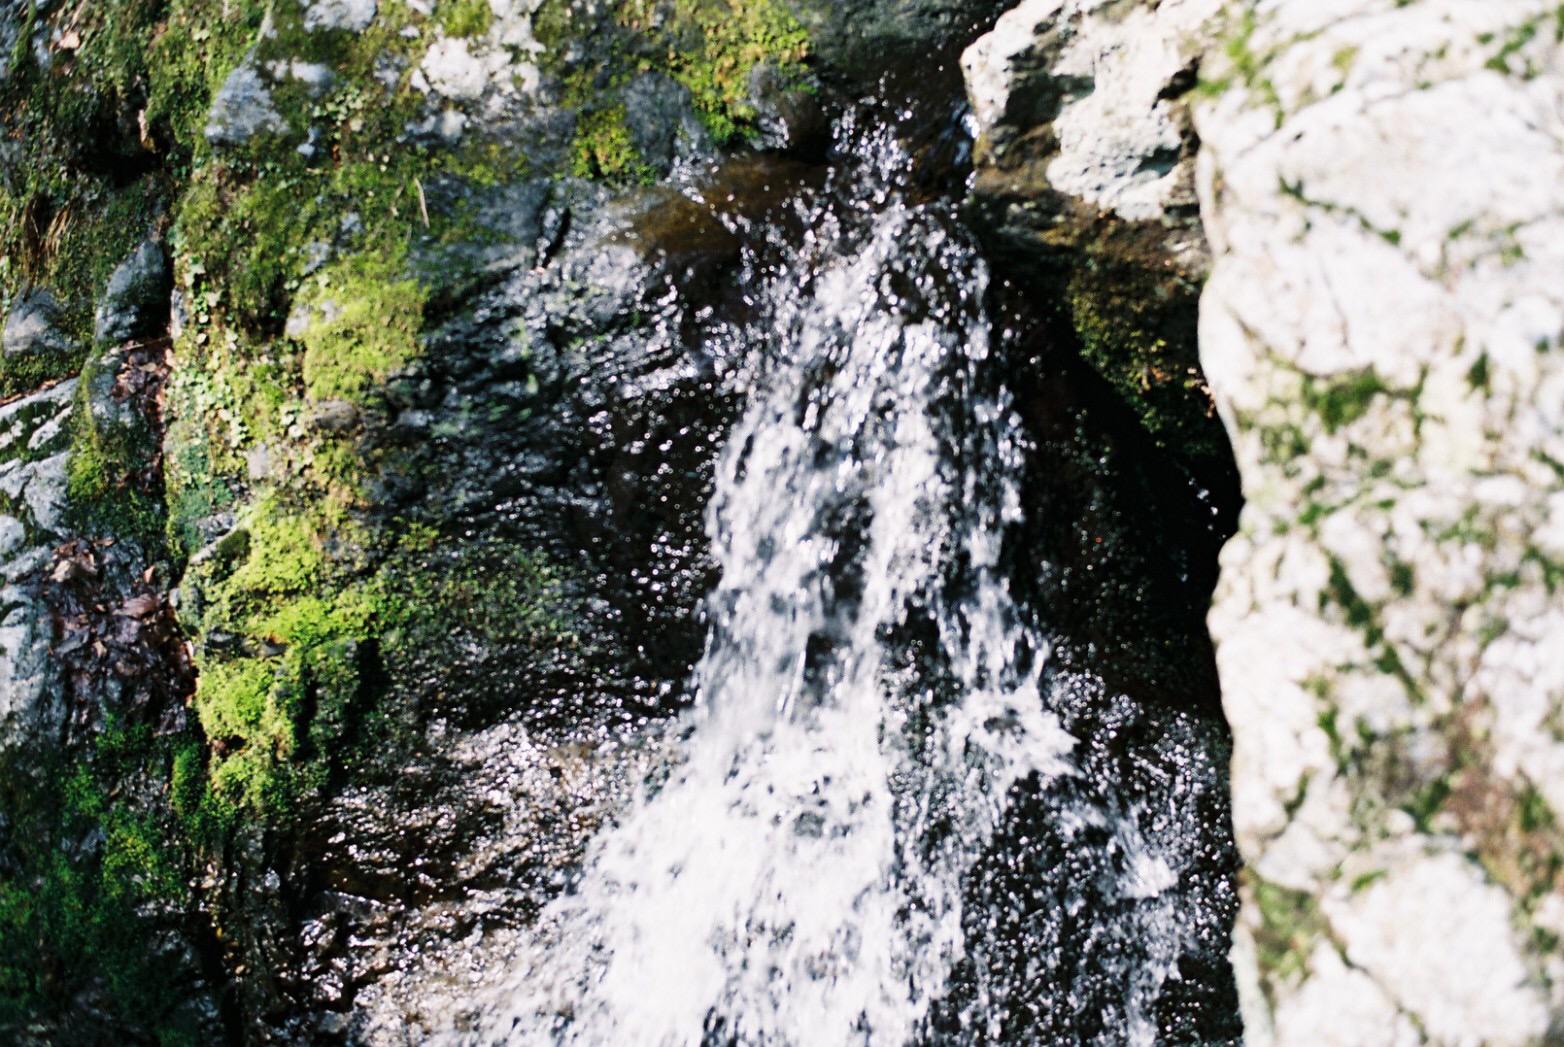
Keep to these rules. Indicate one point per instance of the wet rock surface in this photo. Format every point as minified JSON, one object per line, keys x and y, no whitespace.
{"x":1084,"y":186}
{"x":529,"y":470}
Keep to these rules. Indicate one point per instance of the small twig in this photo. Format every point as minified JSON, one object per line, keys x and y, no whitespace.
{"x":423,"y":206}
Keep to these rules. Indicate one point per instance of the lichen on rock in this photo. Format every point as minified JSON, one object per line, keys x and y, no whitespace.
{"x":1381,"y":330}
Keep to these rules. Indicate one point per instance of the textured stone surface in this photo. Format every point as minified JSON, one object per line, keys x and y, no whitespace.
{"x":1084,"y":184}
{"x":242,"y":109}
{"x":33,"y":325}
{"x":136,"y":302}
{"x":33,"y":438}
{"x":1105,"y":81}
{"x":352,"y":15}
{"x":1383,"y":187}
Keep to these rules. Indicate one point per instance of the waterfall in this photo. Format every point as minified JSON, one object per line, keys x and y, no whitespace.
{"x":869,"y":699}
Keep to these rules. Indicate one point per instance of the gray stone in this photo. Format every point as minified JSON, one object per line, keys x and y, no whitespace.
{"x":28,"y":676}
{"x":661,"y":118}
{"x":12,"y":534}
{"x":32,"y":327}
{"x":316,"y":78}
{"x":243,"y":109}
{"x":46,"y":491}
{"x":353,"y":15}
{"x":333,"y":416}
{"x":136,"y":303}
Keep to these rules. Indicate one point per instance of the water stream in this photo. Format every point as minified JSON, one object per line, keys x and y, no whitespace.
{"x":871,"y":706}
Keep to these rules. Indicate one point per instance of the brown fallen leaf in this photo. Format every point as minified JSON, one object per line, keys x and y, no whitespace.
{"x":138,"y":606}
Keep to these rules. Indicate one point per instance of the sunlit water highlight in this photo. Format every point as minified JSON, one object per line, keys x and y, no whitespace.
{"x":868,"y":696}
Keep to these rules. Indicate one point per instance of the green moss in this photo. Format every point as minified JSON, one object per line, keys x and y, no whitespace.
{"x":1340,"y":402}
{"x":1290,"y":924}
{"x":130,"y":97}
{"x":464,"y":17}
{"x":76,"y":918}
{"x":113,"y":483}
{"x":1137,"y":331}
{"x":710,"y":46}
{"x":366,"y":321}
{"x":734,"y":37}
{"x":603,"y":148}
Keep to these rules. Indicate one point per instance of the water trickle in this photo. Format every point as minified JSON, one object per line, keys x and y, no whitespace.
{"x":869,"y":700}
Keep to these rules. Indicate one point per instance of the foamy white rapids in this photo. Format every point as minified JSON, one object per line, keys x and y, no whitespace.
{"x":779,"y":887}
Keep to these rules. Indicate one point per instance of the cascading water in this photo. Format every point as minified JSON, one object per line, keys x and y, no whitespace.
{"x":869,"y":702}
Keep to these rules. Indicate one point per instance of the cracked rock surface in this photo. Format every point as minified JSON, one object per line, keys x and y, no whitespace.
{"x":1382,"y":187}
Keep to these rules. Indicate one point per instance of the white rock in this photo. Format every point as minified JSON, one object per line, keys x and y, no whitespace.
{"x":1471,"y":987}
{"x":1341,"y":1007}
{"x":352,"y":15}
{"x":452,"y":69}
{"x":1383,"y":187}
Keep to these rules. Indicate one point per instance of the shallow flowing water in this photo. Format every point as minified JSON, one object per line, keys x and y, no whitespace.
{"x":871,"y":707}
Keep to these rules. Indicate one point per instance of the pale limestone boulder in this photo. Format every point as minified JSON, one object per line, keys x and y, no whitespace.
{"x":1383,"y":189}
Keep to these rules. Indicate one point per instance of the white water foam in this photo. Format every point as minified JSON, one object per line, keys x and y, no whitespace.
{"x":785,"y":884}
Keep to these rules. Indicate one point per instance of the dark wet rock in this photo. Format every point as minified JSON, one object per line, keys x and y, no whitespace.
{"x":790,"y":117}
{"x":861,"y":38}
{"x":136,"y":303}
{"x":660,"y":116}
{"x":32,"y":325}
{"x":1083,"y":191}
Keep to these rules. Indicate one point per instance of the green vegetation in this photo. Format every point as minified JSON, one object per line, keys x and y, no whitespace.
{"x":464,"y":17}
{"x":305,"y":278}
{"x":94,"y":873}
{"x":99,"y":133}
{"x":366,"y":322}
{"x":1340,"y":402}
{"x":1137,"y":330}
{"x":112,"y":477}
{"x":709,"y":46}
{"x":603,"y":148}
{"x":1290,"y":924}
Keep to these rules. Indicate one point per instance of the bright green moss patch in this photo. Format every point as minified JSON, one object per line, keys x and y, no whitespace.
{"x":710,"y":46}
{"x":464,"y":17}
{"x":366,"y":319}
{"x":734,"y":37}
{"x":604,"y":149}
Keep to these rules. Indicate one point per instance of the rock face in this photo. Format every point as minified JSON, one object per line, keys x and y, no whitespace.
{"x":1381,"y":184}
{"x":1084,"y":185}
{"x":135,"y":304}
{"x":34,"y":441}
{"x":242,"y":109}
{"x":32,"y":325}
